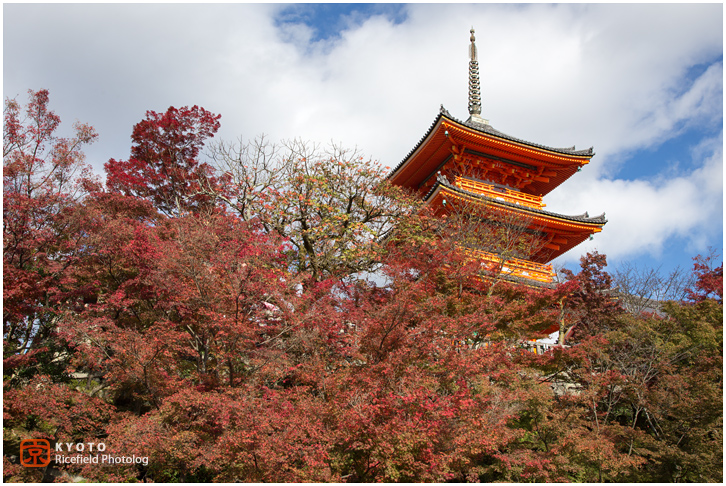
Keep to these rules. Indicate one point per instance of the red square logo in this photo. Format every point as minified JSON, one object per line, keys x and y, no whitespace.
{"x":34,"y":453}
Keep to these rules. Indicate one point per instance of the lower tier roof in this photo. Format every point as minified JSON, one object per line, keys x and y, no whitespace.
{"x":561,"y":232}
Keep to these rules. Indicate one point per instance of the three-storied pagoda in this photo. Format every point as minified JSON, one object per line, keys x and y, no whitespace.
{"x":467,"y":166}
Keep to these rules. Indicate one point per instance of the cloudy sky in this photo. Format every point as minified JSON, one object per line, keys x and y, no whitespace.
{"x":643,"y":84}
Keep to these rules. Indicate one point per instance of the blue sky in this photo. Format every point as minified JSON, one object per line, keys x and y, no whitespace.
{"x":643,"y":84}
{"x":329,"y":20}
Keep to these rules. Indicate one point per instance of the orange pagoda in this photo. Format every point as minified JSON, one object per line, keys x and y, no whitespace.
{"x":468,"y":166}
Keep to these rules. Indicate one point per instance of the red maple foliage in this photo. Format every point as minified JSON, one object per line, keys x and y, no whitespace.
{"x":42,"y":175}
{"x":203,"y":339}
{"x":709,"y":280}
{"x":164,"y":166}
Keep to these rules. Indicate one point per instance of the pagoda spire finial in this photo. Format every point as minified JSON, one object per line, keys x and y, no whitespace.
{"x":474,"y":87}
{"x":472,"y":47}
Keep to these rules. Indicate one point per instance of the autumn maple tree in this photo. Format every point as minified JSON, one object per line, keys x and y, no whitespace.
{"x":709,"y":279}
{"x":278,"y":313}
{"x":41,"y":186}
{"x":333,"y":206}
{"x":164,"y":165}
{"x":44,"y":180}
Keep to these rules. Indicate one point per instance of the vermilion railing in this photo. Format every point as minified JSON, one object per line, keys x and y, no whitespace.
{"x":514,"y":266}
{"x":495,"y":192}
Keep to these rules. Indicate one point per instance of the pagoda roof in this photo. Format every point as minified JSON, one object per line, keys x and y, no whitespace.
{"x":599,"y":220}
{"x":486,"y":128}
{"x":565,"y":231}
{"x":436,"y":144}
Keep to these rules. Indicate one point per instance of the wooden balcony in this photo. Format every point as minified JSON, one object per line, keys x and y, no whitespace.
{"x":494,"y":192}
{"x":515,"y":267}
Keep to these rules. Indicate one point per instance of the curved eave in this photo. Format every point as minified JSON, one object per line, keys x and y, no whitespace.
{"x":410,"y":175}
{"x":480,"y":144}
{"x":596,"y":221}
{"x":576,"y":228}
{"x":434,"y":150}
{"x":489,"y":130}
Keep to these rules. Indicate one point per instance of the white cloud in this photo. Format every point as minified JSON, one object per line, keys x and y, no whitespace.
{"x":619,"y":77}
{"x":642,"y":215}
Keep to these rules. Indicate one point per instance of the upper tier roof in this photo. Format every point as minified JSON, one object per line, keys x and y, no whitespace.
{"x":487,"y":128}
{"x":447,"y":133}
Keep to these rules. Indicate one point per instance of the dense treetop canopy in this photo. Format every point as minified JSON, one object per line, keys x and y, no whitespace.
{"x":264,"y":312}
